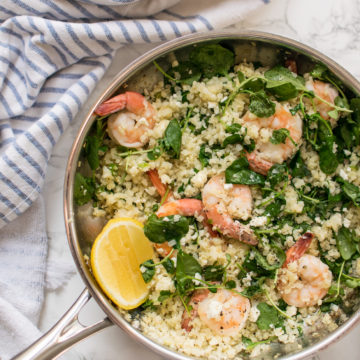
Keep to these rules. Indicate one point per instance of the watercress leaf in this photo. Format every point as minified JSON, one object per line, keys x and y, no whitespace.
{"x":159,"y":230}
{"x":284,"y":84}
{"x":355,"y":107}
{"x":241,"y":76}
{"x":172,"y":138}
{"x":84,"y":189}
{"x":233,"y":139}
{"x":155,"y":153}
{"x":231,"y":284}
{"x":250,"y":147}
{"x":298,"y":167}
{"x":213,"y":272}
{"x":319,"y":71}
{"x":279,"y":136}
{"x":238,"y":173}
{"x":262,"y":262}
{"x":149,"y":270}
{"x":233,"y":128}
{"x":169,"y":266}
{"x":345,"y":244}
{"x":148,"y":304}
{"x":260,"y":105}
{"x":328,"y":160}
{"x":204,"y":156}
{"x":92,"y":151}
{"x":277,"y":174}
{"x":212,"y":59}
{"x":350,"y":190}
{"x":188,"y":71}
{"x":186,"y":265}
{"x":254,"y":288}
{"x":268,"y":316}
{"x":164,"y":294}
{"x":274,"y":208}
{"x":254,"y":85}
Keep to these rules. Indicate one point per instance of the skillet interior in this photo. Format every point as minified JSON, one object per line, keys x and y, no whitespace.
{"x":254,"y":47}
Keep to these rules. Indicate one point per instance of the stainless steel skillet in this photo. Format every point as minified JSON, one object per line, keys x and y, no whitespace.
{"x":252,"y":46}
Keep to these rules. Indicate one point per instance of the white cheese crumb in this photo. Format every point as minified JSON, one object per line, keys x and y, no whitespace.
{"x":346,"y":222}
{"x":343,"y":174}
{"x":214,"y":309}
{"x":197,"y":276}
{"x":258,"y":221}
{"x":228,"y":186}
{"x":172,"y":243}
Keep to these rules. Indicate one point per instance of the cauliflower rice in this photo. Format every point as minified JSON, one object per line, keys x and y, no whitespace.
{"x":309,"y":200}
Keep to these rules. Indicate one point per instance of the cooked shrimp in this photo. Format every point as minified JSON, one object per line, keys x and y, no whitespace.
{"x":186,"y":207}
{"x":304,"y":279}
{"x":224,"y":202}
{"x":160,"y":187}
{"x":267,"y":154}
{"x":129,"y":127}
{"x":224,"y":312}
{"x":327,"y":92}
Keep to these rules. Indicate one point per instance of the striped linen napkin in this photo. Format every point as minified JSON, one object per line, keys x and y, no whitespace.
{"x":52,"y":55}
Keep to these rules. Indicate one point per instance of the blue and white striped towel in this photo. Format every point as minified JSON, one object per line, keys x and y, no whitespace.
{"x":52,"y":54}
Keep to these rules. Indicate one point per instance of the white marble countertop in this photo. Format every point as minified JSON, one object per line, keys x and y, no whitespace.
{"x":330,"y":26}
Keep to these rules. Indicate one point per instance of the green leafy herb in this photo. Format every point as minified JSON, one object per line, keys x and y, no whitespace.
{"x":262,"y":262}
{"x":345,"y":243}
{"x":172,"y":139}
{"x":188,"y":71}
{"x":274,"y":208}
{"x":268,"y":316}
{"x":239,"y":173}
{"x":186,"y":266}
{"x":84,"y":189}
{"x":159,"y":230}
{"x":284,"y":84}
{"x":350,"y":190}
{"x":254,"y":288}
{"x":169,"y":266}
{"x":277,"y":174}
{"x":260,"y":105}
{"x":204,"y":156}
{"x":298,"y":167}
{"x":249,"y":345}
{"x":212,"y":59}
{"x":149,"y":273}
{"x":164,"y":294}
{"x":254,"y":85}
{"x":279,"y":136}
{"x":213,"y":272}
{"x":231,"y":284}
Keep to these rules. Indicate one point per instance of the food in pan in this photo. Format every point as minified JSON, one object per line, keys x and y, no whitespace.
{"x":246,"y":180}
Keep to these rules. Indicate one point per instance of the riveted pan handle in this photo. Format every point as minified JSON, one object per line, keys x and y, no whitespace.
{"x":64,"y":334}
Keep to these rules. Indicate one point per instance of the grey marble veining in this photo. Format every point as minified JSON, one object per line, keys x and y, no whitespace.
{"x":330,"y":26}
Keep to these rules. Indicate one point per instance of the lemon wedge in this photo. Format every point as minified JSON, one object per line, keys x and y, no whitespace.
{"x":116,"y":256}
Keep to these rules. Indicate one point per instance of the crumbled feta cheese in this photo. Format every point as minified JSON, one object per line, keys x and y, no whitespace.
{"x":343,"y":174}
{"x":228,"y":186}
{"x":346,"y":222}
{"x":197,"y":276}
{"x":214,"y":309}
{"x":172,"y":243}
{"x":258,"y":221}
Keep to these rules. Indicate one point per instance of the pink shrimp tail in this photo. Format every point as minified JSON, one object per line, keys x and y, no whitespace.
{"x":258,"y":165}
{"x":112,"y":105}
{"x":160,"y":187}
{"x":298,"y":249}
{"x":132,"y":101}
{"x":197,"y":297}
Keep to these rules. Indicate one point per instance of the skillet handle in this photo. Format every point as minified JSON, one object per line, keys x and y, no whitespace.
{"x":64,"y":334}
